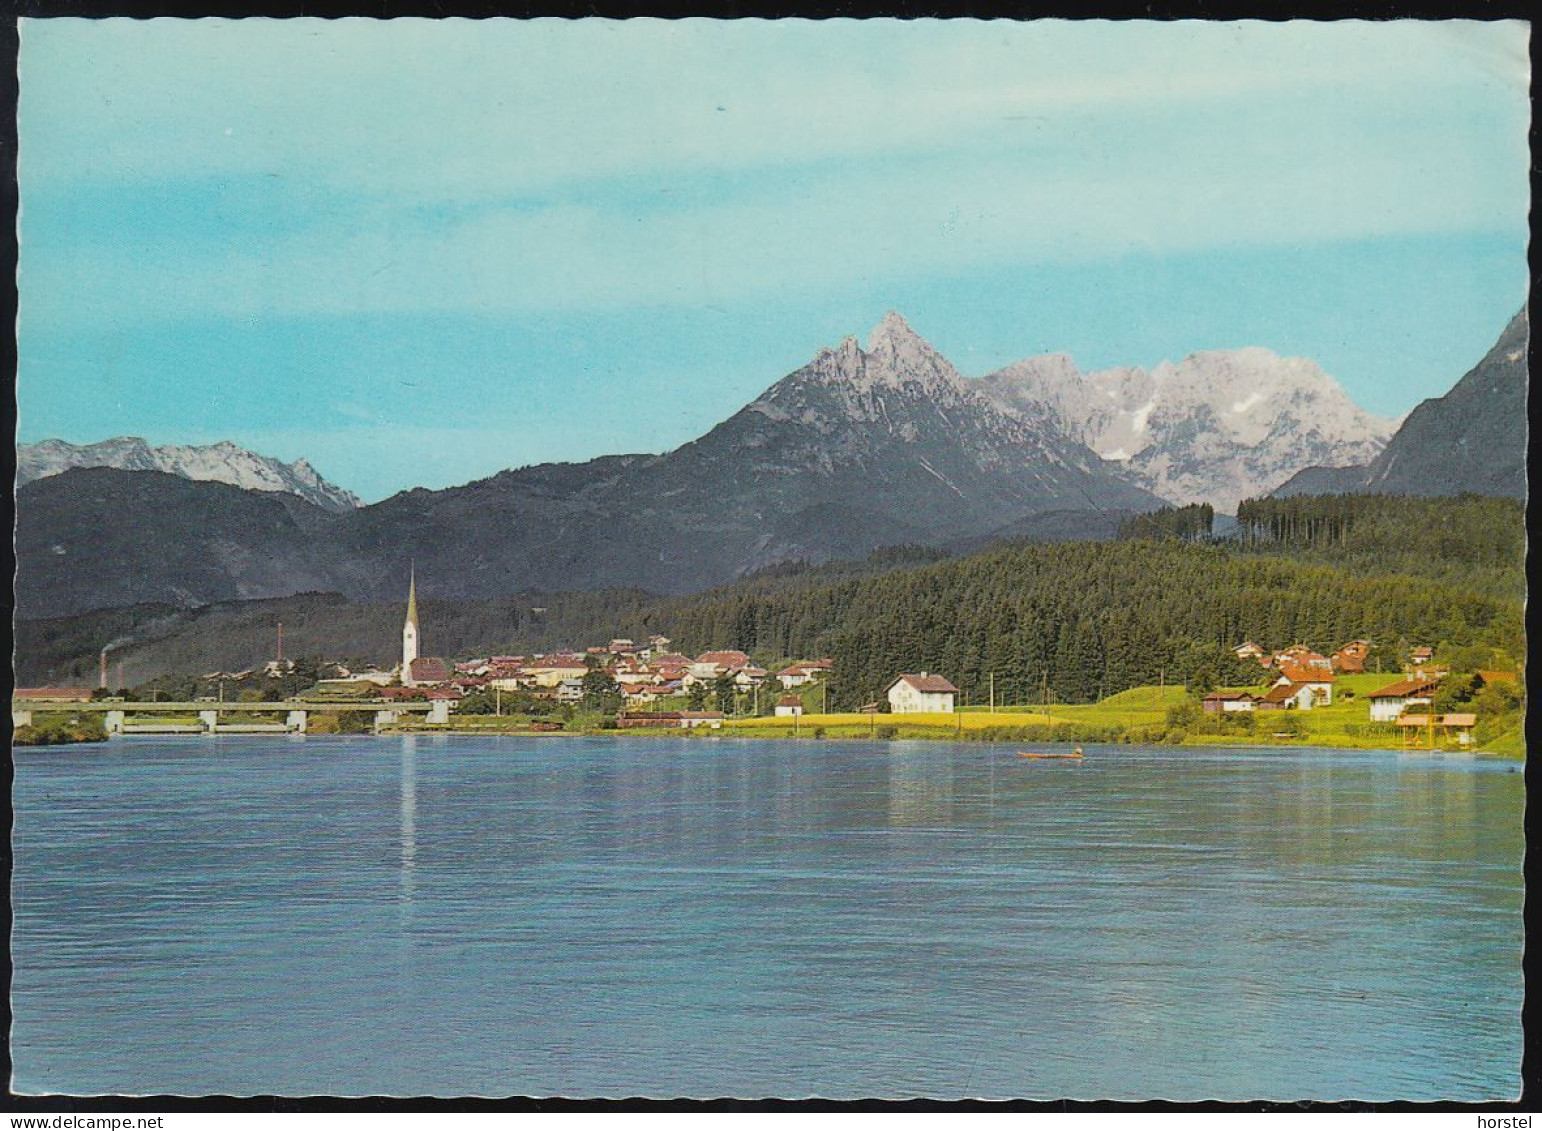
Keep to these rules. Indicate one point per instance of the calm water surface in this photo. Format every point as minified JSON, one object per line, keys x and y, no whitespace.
{"x":659,"y":917}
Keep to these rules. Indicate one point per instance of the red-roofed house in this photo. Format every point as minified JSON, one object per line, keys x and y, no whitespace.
{"x":749,"y":676}
{"x":789,"y":706}
{"x":1224,"y":702}
{"x":1318,"y":679}
{"x":1394,"y":699}
{"x":1352,"y":656}
{"x":1287,"y":694}
{"x":795,"y":675}
{"x":709,"y":665}
{"x":910,"y":694}
{"x":427,"y":670}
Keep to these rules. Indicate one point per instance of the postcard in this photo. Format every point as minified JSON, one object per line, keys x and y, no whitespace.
{"x":771,"y":559}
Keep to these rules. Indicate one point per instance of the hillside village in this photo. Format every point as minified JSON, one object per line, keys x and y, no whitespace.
{"x":628,"y":684}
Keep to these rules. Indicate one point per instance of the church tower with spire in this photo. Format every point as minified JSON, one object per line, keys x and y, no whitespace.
{"x":410,"y":630}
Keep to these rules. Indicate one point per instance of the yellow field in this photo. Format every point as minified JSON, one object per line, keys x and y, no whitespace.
{"x":969,"y":720}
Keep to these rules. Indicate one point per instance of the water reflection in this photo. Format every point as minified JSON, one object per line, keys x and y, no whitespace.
{"x":408,"y":823}
{"x":696,"y":917}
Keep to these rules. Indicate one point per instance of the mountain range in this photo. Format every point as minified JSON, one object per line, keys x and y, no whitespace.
{"x":1218,"y":427}
{"x":218,"y":463}
{"x":859,"y":449}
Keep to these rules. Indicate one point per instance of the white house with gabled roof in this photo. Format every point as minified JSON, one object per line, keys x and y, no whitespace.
{"x":922,"y":692}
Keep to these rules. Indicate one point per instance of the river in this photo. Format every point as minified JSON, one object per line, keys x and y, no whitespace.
{"x":709,"y":917}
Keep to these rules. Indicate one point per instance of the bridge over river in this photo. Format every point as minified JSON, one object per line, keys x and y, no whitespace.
{"x":227,"y":718}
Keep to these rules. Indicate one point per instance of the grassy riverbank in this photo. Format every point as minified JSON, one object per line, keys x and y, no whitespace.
{"x":60,"y":729}
{"x":1149,"y":715}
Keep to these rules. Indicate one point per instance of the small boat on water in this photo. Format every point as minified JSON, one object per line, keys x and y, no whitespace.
{"x":1074,"y":755}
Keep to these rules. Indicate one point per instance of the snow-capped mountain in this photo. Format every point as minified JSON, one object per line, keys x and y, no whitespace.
{"x":221,"y":463}
{"x":1216,"y":427}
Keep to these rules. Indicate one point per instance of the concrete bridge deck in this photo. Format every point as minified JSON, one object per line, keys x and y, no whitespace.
{"x":297,"y":713}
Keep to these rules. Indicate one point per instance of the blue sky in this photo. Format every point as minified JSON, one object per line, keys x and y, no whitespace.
{"x":418,"y":252}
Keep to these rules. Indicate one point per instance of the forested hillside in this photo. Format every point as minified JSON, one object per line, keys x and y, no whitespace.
{"x":1475,"y":543}
{"x":1073,"y":620}
{"x":1087,"y":619}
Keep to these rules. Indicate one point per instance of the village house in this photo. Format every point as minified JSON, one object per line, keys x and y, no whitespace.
{"x":1351,"y":658}
{"x":749,"y":677}
{"x":1227,"y":702}
{"x":1285,"y":695}
{"x":921,"y":692}
{"x":789,"y":706}
{"x":802,"y":673}
{"x":512,"y":681}
{"x":570,"y":690}
{"x":550,"y":671}
{"x":1317,"y":677}
{"x":372,"y":675}
{"x":1394,"y":699}
{"x":1302,"y":658}
{"x":1248,"y":650}
{"x":709,"y":665}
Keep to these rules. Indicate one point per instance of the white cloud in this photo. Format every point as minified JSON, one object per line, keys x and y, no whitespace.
{"x":507,"y":166}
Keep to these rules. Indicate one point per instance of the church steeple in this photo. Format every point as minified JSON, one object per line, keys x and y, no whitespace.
{"x":410,"y":629}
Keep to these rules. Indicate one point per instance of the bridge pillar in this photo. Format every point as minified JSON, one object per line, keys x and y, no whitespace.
{"x":384,"y":719}
{"x":297,"y":721}
{"x":439,"y":711}
{"x":210,"y":720}
{"x":113,"y":722}
{"x":20,"y":718}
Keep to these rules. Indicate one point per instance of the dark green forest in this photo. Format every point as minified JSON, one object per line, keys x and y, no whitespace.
{"x":1474,"y":542}
{"x":1075,"y":621}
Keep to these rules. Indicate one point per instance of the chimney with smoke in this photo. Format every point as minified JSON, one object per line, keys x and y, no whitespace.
{"x":103,"y":678}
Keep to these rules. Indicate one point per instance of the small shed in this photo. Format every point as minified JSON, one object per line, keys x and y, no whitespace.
{"x":789,"y":706}
{"x":1226,"y":702}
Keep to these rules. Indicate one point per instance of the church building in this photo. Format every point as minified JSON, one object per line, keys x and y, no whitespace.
{"x":418,"y":671}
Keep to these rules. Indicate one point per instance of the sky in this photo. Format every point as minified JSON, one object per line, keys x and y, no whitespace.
{"x":419,"y":252}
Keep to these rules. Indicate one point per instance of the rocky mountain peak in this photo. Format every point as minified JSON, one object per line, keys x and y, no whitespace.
{"x":896,"y":353}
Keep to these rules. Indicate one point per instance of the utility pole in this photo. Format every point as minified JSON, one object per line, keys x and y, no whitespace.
{"x":498,"y":701}
{"x":993,"y":693}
